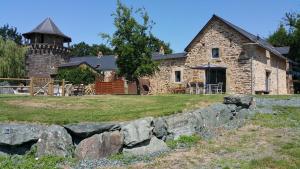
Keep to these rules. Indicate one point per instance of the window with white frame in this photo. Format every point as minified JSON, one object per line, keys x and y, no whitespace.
{"x":215,"y":52}
{"x":177,"y":75}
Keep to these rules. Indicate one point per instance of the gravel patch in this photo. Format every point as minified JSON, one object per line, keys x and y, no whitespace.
{"x":269,"y":102}
{"x":92,"y":164}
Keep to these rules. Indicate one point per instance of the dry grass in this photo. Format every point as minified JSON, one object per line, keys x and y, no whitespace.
{"x":256,"y":145}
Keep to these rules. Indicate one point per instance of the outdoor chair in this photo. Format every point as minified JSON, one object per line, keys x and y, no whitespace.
{"x":219,"y":88}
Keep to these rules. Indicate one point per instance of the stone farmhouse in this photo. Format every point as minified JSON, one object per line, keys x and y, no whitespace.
{"x":221,"y":53}
{"x":242,"y":62}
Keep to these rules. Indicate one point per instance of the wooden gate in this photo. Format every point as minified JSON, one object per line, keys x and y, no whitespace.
{"x":114,"y":87}
{"x":41,"y":86}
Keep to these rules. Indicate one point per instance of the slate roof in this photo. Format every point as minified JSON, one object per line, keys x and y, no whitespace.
{"x":47,"y":27}
{"x":72,"y":64}
{"x":261,"y":42}
{"x":106,"y":62}
{"x":157,"y":56}
{"x":283,"y":50}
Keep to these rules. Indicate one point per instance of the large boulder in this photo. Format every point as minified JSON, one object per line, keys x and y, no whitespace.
{"x":155,"y":145}
{"x":239,"y":100}
{"x":14,"y":134}
{"x":18,"y":138}
{"x":225,"y":116}
{"x":160,"y":128}
{"x":99,"y":146}
{"x":245,"y":114}
{"x":55,"y":140}
{"x":137,"y":131}
{"x":183,"y":124}
{"x":210,"y":115}
{"x":84,"y":130}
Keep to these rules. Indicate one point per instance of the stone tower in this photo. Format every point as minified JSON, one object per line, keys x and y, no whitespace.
{"x":46,"y":49}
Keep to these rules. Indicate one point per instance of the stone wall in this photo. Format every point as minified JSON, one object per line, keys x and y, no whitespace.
{"x":266,"y":62}
{"x":230,"y":43}
{"x":42,"y":60}
{"x":163,"y":80}
{"x":141,"y":137}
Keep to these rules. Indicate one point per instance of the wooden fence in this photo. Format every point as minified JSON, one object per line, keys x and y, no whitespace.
{"x":114,"y":87}
{"x":36,"y":86}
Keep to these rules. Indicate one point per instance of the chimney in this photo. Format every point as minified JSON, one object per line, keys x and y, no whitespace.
{"x":100,"y":54}
{"x":257,"y":37}
{"x":161,"y":50}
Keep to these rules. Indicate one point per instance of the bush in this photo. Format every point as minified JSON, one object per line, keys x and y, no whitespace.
{"x":77,"y":75}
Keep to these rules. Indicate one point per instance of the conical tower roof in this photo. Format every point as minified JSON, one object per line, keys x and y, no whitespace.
{"x":47,"y":27}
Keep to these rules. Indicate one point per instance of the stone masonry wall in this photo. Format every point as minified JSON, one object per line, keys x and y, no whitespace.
{"x":42,"y":61}
{"x":234,"y":55}
{"x":264,"y":61}
{"x":219,"y":35}
{"x":163,"y":79}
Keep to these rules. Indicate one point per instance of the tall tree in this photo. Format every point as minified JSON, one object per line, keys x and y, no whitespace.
{"x":280,"y":37}
{"x":156,"y":44}
{"x":83,"y":49}
{"x":131,"y":43}
{"x":288,"y":35}
{"x":12,"y":59}
{"x":10,"y":33}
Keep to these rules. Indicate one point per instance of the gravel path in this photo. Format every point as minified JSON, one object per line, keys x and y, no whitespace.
{"x":269,"y":102}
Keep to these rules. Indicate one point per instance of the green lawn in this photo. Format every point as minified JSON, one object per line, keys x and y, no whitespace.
{"x":62,"y":110}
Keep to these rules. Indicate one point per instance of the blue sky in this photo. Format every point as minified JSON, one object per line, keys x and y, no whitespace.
{"x":177,"y":21}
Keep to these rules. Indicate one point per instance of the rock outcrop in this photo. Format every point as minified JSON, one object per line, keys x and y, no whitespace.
{"x":153,"y":146}
{"x":18,"y":138}
{"x":14,"y":134}
{"x":55,"y":141}
{"x":99,"y":146}
{"x":183,"y":124}
{"x":137,"y":131}
{"x":239,"y":100}
{"x":84,"y":130}
{"x":160,"y":128}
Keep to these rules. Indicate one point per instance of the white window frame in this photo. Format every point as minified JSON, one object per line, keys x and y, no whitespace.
{"x":173,"y":76}
{"x":219,"y":52}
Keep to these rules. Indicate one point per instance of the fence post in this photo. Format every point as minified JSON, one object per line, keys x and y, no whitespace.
{"x":63,"y":87}
{"x":51,"y":87}
{"x":31,"y":87}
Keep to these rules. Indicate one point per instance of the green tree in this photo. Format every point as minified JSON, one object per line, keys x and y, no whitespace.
{"x":77,"y":75}
{"x":95,"y":49}
{"x":83,"y":49}
{"x":131,"y":43}
{"x":288,"y":35}
{"x":10,"y":33}
{"x":156,"y":44}
{"x":280,"y":37}
{"x":80,"y":49}
{"x":12,"y":59}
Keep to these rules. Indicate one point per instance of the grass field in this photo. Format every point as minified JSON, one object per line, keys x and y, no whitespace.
{"x":62,"y":110}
